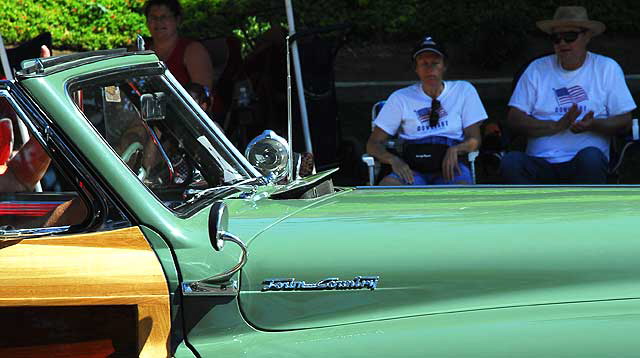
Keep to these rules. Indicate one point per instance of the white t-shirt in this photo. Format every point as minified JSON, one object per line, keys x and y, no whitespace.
{"x":407,"y":111}
{"x":546,"y":91}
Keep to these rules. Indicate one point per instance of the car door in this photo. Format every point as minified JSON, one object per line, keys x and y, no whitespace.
{"x":78,"y":273}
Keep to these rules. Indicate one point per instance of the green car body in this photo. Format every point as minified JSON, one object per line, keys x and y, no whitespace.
{"x":433,"y":271}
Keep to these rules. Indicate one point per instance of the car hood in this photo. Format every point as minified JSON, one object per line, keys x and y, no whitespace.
{"x":434,"y":251}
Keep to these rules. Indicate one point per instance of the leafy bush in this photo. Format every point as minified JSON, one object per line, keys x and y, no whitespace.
{"x":74,"y":24}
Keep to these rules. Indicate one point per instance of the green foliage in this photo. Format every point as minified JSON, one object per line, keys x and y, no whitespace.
{"x":99,"y":24}
{"x":74,"y":24}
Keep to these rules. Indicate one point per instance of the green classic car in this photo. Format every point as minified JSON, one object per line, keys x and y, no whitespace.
{"x":161,"y":239}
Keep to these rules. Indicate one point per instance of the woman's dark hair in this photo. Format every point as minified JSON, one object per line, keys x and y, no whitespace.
{"x":172,"y":5}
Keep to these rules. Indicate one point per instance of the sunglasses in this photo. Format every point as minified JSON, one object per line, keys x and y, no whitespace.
{"x":568,"y":36}
{"x":162,"y":18}
{"x":434,"y":116}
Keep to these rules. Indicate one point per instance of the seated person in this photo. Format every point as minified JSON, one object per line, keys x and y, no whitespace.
{"x":188,"y":60}
{"x":28,"y":165}
{"x":20,"y":172}
{"x":445,"y":115}
{"x":25,"y":169}
{"x":568,"y":105}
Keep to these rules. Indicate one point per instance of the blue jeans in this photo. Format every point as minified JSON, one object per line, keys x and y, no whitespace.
{"x":436,"y":178}
{"x":419,"y":178}
{"x":589,"y":166}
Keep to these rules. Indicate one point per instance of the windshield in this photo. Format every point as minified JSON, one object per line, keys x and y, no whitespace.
{"x":158,"y":133}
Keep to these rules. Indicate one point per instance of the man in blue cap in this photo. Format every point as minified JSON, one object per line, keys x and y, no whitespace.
{"x":439,"y":122}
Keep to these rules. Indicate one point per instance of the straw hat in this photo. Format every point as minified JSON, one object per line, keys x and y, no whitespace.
{"x":571,"y":16}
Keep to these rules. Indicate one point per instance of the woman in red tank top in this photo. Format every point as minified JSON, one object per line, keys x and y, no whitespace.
{"x":187,"y":60}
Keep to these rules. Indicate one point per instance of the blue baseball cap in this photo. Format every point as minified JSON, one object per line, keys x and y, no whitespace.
{"x":428,"y":44}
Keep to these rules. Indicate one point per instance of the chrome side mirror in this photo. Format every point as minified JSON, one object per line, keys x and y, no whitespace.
{"x":220,"y":284}
{"x":270,"y":154}
{"x":218,"y":224}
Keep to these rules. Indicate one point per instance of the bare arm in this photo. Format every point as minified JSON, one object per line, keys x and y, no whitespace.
{"x":521,"y":123}
{"x":198,"y":63}
{"x":376,"y":147}
{"x":68,"y":213}
{"x":608,"y":127}
{"x":10,"y":184}
{"x":472,"y":140}
{"x":26,"y":168}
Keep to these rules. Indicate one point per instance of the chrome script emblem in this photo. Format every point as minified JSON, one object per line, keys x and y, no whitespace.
{"x":333,"y":283}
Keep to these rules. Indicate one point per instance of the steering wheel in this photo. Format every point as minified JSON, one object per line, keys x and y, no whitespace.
{"x":129,"y":153}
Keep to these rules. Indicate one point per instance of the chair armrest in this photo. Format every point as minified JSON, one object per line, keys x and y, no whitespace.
{"x":370,"y":162}
{"x":472,"y":158}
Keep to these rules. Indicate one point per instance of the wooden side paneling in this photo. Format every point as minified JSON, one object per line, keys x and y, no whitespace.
{"x":106,"y":268}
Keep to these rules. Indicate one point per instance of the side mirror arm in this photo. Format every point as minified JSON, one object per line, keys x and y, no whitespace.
{"x":220,"y":284}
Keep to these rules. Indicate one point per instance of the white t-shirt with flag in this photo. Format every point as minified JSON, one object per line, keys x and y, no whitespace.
{"x":546,"y":92}
{"x":407,"y":111}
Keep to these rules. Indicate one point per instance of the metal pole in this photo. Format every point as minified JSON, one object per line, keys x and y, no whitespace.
{"x":298,"y":72}
{"x":5,"y":61}
{"x":289,"y":114}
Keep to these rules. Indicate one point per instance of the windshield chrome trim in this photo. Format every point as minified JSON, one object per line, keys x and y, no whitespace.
{"x":56,"y":64}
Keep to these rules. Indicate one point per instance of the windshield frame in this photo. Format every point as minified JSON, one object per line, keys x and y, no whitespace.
{"x":234,"y":160}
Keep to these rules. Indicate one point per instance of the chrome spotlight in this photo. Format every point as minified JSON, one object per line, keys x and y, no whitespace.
{"x":269,"y":153}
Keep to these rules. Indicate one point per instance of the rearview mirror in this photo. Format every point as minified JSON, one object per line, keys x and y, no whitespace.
{"x":153,"y":106}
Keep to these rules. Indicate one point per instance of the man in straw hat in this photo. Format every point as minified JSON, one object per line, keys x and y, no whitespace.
{"x":568,"y":104}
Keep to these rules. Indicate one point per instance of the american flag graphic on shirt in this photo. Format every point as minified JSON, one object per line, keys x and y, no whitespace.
{"x":570,"y":95}
{"x":425,"y":113}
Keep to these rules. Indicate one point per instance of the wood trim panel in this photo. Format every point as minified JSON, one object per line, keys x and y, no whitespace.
{"x":104,"y":268}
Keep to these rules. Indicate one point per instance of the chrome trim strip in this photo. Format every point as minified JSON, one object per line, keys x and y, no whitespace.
{"x":198,"y":288}
{"x":19,"y":234}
